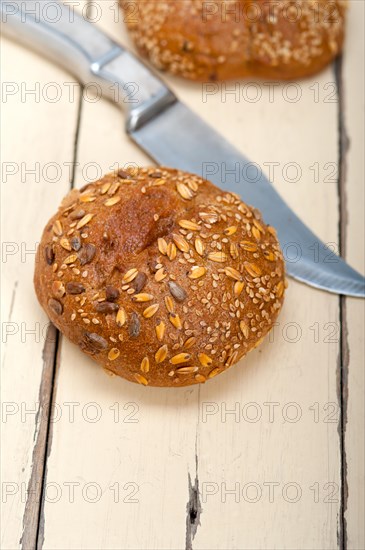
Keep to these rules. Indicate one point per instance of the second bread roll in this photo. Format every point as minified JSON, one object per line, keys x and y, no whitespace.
{"x":219,"y":40}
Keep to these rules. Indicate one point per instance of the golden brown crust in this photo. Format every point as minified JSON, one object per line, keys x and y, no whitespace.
{"x":219,"y":40}
{"x":160,"y":276}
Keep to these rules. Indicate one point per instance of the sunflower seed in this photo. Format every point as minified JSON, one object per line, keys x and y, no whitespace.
{"x":87,"y":253}
{"x":74,"y":288}
{"x":106,"y":307}
{"x":134,"y":325}
{"x":111,"y":293}
{"x":94,"y":342}
{"x":123,"y":174}
{"x":177,"y":291}
{"x":49,"y":254}
{"x":55,"y":306}
{"x":75,"y":243}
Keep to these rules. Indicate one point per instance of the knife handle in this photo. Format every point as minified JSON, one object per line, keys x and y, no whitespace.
{"x":55,"y":31}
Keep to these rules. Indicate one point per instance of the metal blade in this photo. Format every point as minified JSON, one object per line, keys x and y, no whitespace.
{"x":179,"y":138}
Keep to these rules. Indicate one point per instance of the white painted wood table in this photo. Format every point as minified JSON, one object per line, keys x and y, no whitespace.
{"x":268,"y":455}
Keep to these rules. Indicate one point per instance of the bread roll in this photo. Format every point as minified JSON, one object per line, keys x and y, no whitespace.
{"x":161,"y":277}
{"x":219,"y":40}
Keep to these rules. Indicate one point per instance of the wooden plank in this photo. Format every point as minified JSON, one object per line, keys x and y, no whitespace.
{"x":353,"y":94}
{"x":116,"y":454}
{"x":175,"y":436}
{"x":295,"y":375}
{"x":37,"y":155}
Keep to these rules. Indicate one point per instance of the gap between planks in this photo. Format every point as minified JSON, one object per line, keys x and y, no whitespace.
{"x":33,"y":518}
{"x":343,"y":358}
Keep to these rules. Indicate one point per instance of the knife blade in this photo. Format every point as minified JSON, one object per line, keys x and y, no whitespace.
{"x":181,"y":138}
{"x":172,"y":134}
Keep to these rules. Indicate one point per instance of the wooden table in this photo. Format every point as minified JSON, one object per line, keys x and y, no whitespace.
{"x":270,"y":454}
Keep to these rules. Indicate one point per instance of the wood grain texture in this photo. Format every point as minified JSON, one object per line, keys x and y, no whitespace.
{"x":229,"y":454}
{"x":253,"y":458}
{"x":34,"y":178}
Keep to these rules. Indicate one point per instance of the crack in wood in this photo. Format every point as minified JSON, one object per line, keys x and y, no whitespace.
{"x":193,"y":509}
{"x":42,"y":423}
{"x":9,"y":318}
{"x":41,"y":519}
{"x":193,"y":506}
{"x":33,"y":517}
{"x":344,"y":350}
{"x":47,"y":451}
{"x":12,"y":300}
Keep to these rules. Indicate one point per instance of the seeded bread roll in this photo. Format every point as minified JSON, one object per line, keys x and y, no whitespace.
{"x":161,"y":277}
{"x":219,"y":40}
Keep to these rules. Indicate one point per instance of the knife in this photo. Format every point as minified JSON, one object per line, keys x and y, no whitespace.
{"x":169,"y":132}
